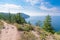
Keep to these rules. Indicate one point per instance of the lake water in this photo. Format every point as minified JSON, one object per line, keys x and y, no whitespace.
{"x":55,"y":21}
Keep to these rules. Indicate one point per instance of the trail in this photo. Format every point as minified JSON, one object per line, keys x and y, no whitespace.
{"x":9,"y":32}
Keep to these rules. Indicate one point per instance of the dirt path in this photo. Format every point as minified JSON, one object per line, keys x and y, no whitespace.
{"x":9,"y":32}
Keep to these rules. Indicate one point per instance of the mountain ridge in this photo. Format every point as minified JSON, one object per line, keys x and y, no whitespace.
{"x":22,"y":14}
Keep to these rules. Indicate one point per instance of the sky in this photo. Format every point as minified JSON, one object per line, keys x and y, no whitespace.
{"x":31,"y":7}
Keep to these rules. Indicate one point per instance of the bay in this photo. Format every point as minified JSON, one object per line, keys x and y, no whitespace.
{"x":55,"y":21}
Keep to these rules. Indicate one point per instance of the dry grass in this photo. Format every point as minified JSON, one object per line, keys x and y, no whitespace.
{"x":28,"y":36}
{"x":57,"y":36}
{"x":1,"y":25}
{"x":24,"y":27}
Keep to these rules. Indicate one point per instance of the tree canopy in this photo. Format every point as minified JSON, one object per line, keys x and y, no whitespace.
{"x":13,"y":18}
{"x":48,"y":25}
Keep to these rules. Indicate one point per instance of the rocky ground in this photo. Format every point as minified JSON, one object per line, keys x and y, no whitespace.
{"x":8,"y":32}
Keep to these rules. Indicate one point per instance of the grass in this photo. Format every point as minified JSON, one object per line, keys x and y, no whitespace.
{"x":1,"y":25}
{"x":28,"y":36}
{"x":24,"y":27}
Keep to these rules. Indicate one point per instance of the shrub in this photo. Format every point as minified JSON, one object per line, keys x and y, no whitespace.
{"x":47,"y":25}
{"x":24,"y":27}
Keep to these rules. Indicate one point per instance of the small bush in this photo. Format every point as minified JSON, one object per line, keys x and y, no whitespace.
{"x":24,"y":27}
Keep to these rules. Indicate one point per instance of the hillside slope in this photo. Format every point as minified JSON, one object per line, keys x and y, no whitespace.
{"x":26,"y":32}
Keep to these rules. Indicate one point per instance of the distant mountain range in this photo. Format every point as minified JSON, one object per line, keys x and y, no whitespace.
{"x":22,"y":14}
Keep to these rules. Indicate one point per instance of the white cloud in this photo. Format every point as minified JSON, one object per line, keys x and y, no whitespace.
{"x":10,"y":7}
{"x":44,"y":5}
{"x":32,"y":2}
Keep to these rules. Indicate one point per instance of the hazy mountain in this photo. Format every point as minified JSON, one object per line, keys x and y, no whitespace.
{"x":25,"y":15}
{"x":22,"y":14}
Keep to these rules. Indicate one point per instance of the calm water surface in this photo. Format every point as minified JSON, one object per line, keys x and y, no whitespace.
{"x":55,"y":21}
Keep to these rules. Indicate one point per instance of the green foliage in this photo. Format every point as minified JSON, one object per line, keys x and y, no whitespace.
{"x":9,"y":18}
{"x":24,"y":27}
{"x":12,"y":18}
{"x":47,"y":25}
{"x":20,"y":19}
{"x":28,"y":28}
{"x":2,"y":17}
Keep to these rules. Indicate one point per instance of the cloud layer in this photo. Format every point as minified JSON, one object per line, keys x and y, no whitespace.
{"x":10,"y":8}
{"x":32,"y":2}
{"x":43,"y":5}
{"x":46,"y":7}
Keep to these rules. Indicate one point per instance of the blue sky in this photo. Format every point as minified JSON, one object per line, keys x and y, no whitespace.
{"x":31,"y":7}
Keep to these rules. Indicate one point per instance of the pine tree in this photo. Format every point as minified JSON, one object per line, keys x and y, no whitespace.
{"x":14,"y":18}
{"x":20,"y":19}
{"x":47,"y":25}
{"x":1,"y":17}
{"x":9,"y":17}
